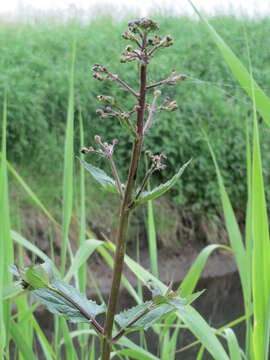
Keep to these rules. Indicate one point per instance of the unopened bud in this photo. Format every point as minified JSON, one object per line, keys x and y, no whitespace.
{"x":100,"y":112}
{"x":129,"y":48}
{"x":149,"y":153}
{"x":172,"y":106}
{"x":97,"y":76}
{"x":97,"y":139}
{"x":157,"y":93}
{"x":115,"y":141}
{"x":84,"y":150}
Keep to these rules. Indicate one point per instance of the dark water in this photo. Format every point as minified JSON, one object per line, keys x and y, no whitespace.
{"x":220,"y":304}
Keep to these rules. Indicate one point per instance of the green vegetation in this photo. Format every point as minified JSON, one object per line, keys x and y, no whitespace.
{"x":169,"y":311}
{"x":34,"y":66}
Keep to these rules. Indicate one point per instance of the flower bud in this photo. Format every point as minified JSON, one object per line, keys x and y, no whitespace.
{"x":97,"y":139}
{"x":97,"y":76}
{"x":172,"y":106}
{"x":100,"y":112}
{"x":129,"y":48}
{"x":157,"y":93}
{"x":84,"y":150}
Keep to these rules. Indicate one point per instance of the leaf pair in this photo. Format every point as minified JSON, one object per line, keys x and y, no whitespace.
{"x":109,"y":184}
{"x":150,"y":312}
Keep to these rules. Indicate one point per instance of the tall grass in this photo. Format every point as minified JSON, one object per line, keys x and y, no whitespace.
{"x":257,"y":227}
{"x":6,"y":246}
{"x":68,"y":166}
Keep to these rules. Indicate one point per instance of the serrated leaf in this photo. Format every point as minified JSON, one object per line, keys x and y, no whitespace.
{"x":65,"y":300}
{"x":161,"y":189}
{"x":154,"y":316}
{"x":126,"y":316}
{"x":101,"y":177}
{"x":148,"y":320}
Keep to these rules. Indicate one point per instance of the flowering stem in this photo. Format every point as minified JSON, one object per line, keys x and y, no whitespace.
{"x":124,"y":215}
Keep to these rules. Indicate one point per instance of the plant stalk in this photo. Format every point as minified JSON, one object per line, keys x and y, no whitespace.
{"x":124,"y":218}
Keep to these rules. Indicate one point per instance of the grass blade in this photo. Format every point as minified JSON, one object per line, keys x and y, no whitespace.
{"x":261,"y":248}
{"x":234,"y":348}
{"x":190,"y":281}
{"x":109,"y":260}
{"x":21,"y":344}
{"x":47,"y":349}
{"x":239,"y":70}
{"x":235,"y":236}
{"x":30,"y":193}
{"x":83,"y":268}
{"x":152,"y":240}
{"x":83,"y":253}
{"x":6,"y":246}
{"x":68,"y":166}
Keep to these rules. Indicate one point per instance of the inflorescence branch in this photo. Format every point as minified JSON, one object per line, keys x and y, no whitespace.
{"x":171,"y":80}
{"x":101,"y":72}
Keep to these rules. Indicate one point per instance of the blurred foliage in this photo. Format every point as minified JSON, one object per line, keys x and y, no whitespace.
{"x":34,"y":66}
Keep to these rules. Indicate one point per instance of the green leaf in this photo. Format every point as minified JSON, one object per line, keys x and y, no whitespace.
{"x":65,"y":300}
{"x":161,"y":189}
{"x":126,"y":316}
{"x":127,"y":127}
{"x":193,"y":275}
{"x":154,"y":316}
{"x":6,"y":246}
{"x":139,"y":354}
{"x":68,"y":165}
{"x":109,"y":260}
{"x":203,"y":332}
{"x":152,"y":239}
{"x":149,"y":319}
{"x":39,"y":276}
{"x":20,"y":342}
{"x":261,"y":247}
{"x":233,"y":229}
{"x":11,"y":290}
{"x":85,"y":250}
{"x":47,"y":349}
{"x":234,"y":348}
{"x":189,"y":299}
{"x":239,"y":70}
{"x":135,"y":351}
{"x":101,"y":177}
{"x":83,"y":269}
